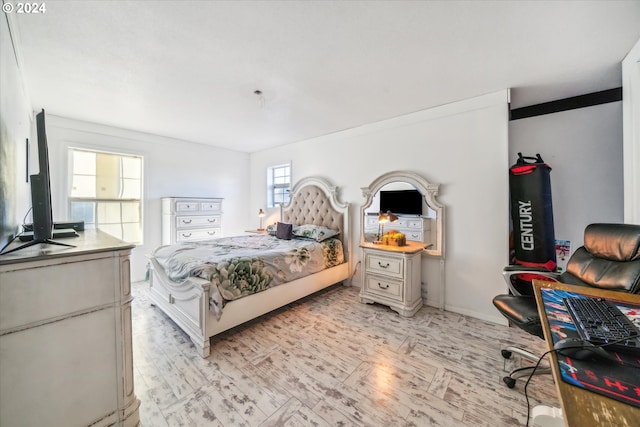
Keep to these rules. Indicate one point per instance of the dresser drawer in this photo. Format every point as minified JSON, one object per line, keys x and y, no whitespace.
{"x":187,"y":206}
{"x":198,"y":234}
{"x":385,"y":287}
{"x":418,"y":236}
{"x":198,"y":221}
{"x":400,"y":223}
{"x":385,"y":265}
{"x":371,"y":221}
{"x":211,"y":206}
{"x":414,"y":224}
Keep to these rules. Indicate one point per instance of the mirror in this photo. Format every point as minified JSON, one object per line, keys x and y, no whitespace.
{"x":413,"y":200}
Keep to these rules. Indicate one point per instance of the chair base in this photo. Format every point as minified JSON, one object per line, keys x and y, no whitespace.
{"x":526,"y":371}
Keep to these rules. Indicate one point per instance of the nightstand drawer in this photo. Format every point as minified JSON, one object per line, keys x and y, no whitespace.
{"x":384,"y":265}
{"x":190,"y":235}
{"x":198,"y":221}
{"x":385,"y":287}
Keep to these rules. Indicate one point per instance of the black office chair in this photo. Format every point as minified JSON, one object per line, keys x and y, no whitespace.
{"x":609,"y":259}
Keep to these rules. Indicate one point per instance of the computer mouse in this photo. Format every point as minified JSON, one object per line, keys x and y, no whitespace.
{"x":579,"y":349}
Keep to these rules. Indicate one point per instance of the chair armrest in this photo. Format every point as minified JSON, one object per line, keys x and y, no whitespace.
{"x":512,"y":270}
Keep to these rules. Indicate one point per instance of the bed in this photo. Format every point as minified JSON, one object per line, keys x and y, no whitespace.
{"x":194,"y":303}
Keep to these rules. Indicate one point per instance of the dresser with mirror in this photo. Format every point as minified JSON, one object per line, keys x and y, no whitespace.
{"x":399,"y":203}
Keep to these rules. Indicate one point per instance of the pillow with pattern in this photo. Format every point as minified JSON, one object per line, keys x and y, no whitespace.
{"x":314,"y":232}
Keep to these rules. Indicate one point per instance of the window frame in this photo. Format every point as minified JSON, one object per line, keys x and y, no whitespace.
{"x":97,"y":200}
{"x":273,"y":187}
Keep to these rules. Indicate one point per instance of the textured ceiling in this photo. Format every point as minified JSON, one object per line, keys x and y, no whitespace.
{"x":189,"y":69}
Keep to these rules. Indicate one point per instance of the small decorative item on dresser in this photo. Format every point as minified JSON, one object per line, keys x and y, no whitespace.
{"x":394,"y":238}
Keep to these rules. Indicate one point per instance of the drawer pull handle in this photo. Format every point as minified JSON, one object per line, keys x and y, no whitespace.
{"x":211,"y":233}
{"x":184,"y":221}
{"x":211,"y":219}
{"x":186,"y":235}
{"x":383,"y":266}
{"x":386,"y":286}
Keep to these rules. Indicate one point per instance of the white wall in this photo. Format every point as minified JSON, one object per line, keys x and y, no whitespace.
{"x":584,"y":149}
{"x":171,"y":168}
{"x":464,"y":147}
{"x":15,"y":128}
{"x":631,"y":132}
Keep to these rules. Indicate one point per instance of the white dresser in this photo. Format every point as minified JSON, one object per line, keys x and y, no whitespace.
{"x":392,"y":276}
{"x":66,"y":354}
{"x":414,"y":227}
{"x":187,"y":219}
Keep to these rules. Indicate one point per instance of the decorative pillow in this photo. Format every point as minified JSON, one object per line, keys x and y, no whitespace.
{"x":314,"y":232}
{"x":284,"y":231}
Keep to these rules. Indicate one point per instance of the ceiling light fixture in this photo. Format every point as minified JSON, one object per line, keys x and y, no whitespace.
{"x":260,"y":96}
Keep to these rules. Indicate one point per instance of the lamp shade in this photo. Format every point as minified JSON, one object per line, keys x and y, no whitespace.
{"x":260,"y":213}
{"x":391,"y":217}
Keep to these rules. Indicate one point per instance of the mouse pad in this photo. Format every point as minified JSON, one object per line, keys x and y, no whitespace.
{"x":620,"y":381}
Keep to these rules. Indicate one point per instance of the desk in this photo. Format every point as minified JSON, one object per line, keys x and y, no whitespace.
{"x":579,"y":406}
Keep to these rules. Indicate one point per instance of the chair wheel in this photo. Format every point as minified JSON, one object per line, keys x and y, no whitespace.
{"x":506,"y":354}
{"x":510,"y":382}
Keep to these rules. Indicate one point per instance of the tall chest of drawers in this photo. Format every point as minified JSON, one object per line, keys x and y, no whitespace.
{"x":392,"y":276}
{"x":188,"y":219}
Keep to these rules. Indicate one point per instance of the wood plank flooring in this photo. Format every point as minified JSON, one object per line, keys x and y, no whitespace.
{"x":329,"y":360}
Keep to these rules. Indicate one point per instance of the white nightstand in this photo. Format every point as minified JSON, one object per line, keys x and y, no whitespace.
{"x":392,"y":276}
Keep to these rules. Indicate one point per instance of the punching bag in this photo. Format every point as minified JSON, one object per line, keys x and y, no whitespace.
{"x":532,"y":213}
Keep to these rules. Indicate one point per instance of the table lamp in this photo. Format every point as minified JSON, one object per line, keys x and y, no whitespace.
{"x":383,"y":218}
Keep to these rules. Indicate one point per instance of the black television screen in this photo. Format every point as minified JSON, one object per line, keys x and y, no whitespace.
{"x":42,"y":211}
{"x":41,"y":188}
{"x":406,"y":202}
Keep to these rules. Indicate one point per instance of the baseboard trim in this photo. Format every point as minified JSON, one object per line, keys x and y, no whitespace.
{"x":499,"y":320}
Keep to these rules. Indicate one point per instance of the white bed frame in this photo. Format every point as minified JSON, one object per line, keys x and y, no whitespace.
{"x":313,"y":201}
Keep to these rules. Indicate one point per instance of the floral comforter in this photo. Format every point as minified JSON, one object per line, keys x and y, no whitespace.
{"x":243,"y":265}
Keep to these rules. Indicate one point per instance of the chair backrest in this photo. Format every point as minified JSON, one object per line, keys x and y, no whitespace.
{"x":609,"y":259}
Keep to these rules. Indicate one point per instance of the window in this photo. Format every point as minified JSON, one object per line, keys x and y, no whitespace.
{"x":278,"y":184}
{"x":106,"y":192}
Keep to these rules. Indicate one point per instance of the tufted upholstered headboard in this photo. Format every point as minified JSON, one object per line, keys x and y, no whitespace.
{"x":314,"y":201}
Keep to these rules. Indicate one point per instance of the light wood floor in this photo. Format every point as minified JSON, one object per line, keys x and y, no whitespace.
{"x":329,"y":360}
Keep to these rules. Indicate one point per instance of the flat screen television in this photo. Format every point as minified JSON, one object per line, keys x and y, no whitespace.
{"x":42,"y":211}
{"x":404,"y":202}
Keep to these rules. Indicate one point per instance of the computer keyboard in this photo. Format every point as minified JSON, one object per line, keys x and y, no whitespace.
{"x":600,"y":322}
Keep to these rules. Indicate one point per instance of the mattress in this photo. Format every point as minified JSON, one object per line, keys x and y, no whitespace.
{"x":243,"y":265}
